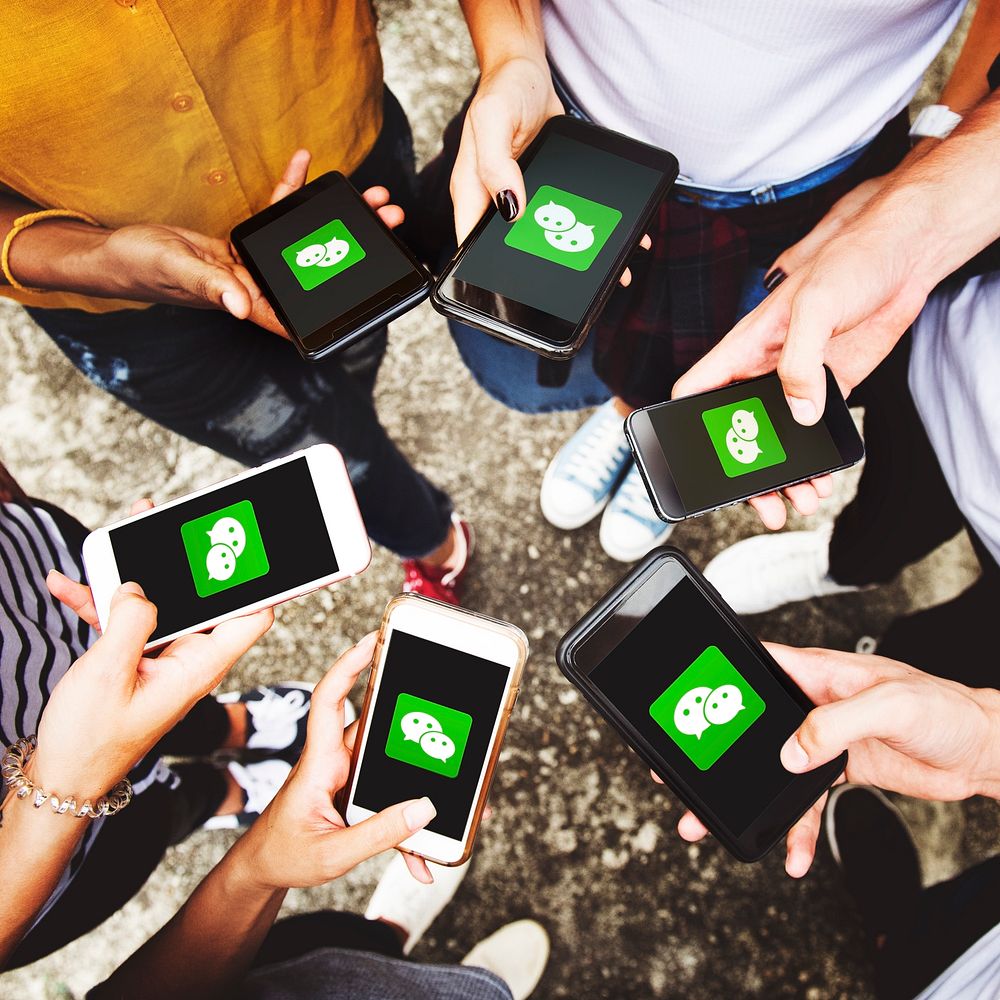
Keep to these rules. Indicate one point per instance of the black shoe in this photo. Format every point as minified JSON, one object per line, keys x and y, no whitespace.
{"x":872,"y":844}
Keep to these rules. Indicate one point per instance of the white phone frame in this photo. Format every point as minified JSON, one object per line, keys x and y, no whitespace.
{"x":468,"y":633}
{"x":341,"y":515}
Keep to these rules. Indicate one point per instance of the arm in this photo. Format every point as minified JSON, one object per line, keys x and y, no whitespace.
{"x":967,"y":86}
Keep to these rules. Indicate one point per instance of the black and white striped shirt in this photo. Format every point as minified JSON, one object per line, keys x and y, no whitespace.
{"x":40,"y":638}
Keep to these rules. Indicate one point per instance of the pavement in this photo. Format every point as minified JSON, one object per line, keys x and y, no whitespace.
{"x":580,"y":838}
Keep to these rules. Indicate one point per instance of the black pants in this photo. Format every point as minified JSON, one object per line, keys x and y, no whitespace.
{"x":306,"y":932}
{"x":903,"y":510}
{"x":130,"y":845}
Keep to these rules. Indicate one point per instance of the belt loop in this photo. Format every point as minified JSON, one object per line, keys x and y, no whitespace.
{"x":763,"y":195}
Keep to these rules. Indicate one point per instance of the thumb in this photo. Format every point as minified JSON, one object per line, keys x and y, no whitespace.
{"x":378,"y":833}
{"x":130,"y":624}
{"x":494,"y":129}
{"x":800,"y":367}
{"x":214,"y":284}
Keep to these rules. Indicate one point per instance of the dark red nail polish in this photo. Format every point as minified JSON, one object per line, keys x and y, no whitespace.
{"x":774,"y":278}
{"x":507,"y":205}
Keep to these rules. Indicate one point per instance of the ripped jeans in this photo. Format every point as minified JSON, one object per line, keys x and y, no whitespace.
{"x":231,"y":386}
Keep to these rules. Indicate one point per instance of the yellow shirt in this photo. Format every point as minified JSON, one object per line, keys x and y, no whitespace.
{"x":176,"y":111}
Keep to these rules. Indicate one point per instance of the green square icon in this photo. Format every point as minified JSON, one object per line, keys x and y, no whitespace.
{"x":708,"y":708}
{"x":743,"y":437}
{"x":428,"y":735}
{"x":224,"y":549}
{"x":563,"y":228}
{"x":323,"y":254}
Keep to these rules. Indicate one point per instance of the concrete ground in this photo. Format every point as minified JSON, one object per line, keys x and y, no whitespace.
{"x":581,"y":839}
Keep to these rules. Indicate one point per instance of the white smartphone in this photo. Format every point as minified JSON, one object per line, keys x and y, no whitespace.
{"x":442,"y":687}
{"x":276,"y":532}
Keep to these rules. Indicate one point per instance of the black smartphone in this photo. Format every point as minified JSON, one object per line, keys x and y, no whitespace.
{"x":542,"y":281}
{"x":330,"y":268}
{"x":666,"y":662}
{"x":713,"y":449}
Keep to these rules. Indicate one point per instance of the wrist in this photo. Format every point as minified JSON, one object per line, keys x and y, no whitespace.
{"x":244,"y":869}
{"x":60,"y":254}
{"x":987,"y":780}
{"x":82,"y":779}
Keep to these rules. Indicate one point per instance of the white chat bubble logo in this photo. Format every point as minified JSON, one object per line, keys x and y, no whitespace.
{"x":437,"y":745}
{"x":576,"y":240}
{"x":555,"y":218}
{"x":724,"y":704}
{"x":745,"y":424}
{"x":229,"y":531}
{"x":336,"y":251}
{"x":418,"y":724}
{"x":689,"y":715}
{"x":310,"y":255}
{"x":220,"y":562}
{"x":743,"y":451}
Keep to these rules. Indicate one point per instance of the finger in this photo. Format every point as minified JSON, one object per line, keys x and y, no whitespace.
{"x":131,"y":622}
{"x":140,"y":506}
{"x":770,"y":509}
{"x":294,"y":176}
{"x":418,"y":868}
{"x":494,"y":128}
{"x":626,"y":279}
{"x":800,"y":844}
{"x":76,"y":596}
{"x":376,"y":196}
{"x":350,"y":735}
{"x":691,"y":828}
{"x":391,"y":215}
{"x":812,"y":322}
{"x":803,"y":498}
{"x":646,"y":243}
{"x":656,"y":777}
{"x":378,"y":833}
{"x":823,"y":485}
{"x":208,"y":283}
{"x":469,"y":197}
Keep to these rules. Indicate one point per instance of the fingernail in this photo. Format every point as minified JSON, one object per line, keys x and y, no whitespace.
{"x":229,"y":301}
{"x":773,"y":278}
{"x":802,"y":409}
{"x":419,"y":813}
{"x":507,"y":205}
{"x":793,"y":757}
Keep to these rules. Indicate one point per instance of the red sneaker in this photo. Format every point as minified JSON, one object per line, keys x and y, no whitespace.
{"x":442,"y":582}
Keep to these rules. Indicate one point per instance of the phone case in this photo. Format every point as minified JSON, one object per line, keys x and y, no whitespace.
{"x":492,"y":624}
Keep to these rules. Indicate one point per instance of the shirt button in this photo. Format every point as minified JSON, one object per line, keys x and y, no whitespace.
{"x":182,"y":102}
{"x":215,"y":177}
{"x":128,"y":4}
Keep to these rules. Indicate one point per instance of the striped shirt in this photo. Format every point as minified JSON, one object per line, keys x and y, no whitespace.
{"x":40,"y":638}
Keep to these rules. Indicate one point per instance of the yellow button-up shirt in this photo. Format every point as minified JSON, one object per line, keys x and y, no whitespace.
{"x":176,"y":111}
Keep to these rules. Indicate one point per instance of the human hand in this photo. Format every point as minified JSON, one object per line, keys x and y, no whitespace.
{"x":904,"y":730}
{"x":301,"y":839}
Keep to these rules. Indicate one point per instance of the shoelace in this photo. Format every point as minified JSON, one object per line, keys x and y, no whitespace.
{"x":590,"y":462}
{"x":260,"y":782}
{"x":633,"y":500}
{"x":275,"y":717}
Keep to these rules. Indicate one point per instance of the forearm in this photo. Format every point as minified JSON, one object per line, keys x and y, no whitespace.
{"x":988,"y":782}
{"x":505,"y":29}
{"x":206,"y":949}
{"x":967,"y":86}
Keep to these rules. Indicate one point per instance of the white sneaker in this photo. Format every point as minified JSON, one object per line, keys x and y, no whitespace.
{"x":407,"y":903}
{"x":767,"y":571}
{"x":260,"y":782}
{"x":580,"y":479}
{"x":630,"y":527}
{"x":517,"y":953}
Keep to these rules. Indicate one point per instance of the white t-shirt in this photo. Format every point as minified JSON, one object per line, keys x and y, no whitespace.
{"x":746,"y":93}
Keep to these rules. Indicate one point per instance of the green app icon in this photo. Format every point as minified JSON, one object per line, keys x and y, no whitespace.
{"x":563,"y":228}
{"x":224,"y":549}
{"x":743,"y":437}
{"x":428,"y":735}
{"x":323,"y":254}
{"x":708,"y":708}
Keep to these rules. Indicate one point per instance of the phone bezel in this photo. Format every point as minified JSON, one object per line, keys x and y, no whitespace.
{"x":778,"y":815}
{"x":345,"y":329}
{"x":519,"y":323}
{"x":466,"y":631}
{"x":661,"y":485}
{"x":341,"y":515}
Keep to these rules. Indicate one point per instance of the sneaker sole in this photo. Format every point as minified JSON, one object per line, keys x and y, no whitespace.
{"x":623,"y":555}
{"x":829,"y":827}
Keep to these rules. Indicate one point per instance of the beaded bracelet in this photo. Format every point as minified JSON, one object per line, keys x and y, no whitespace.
{"x":12,"y":765}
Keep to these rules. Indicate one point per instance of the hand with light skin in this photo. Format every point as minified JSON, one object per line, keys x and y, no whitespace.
{"x":905,"y":731}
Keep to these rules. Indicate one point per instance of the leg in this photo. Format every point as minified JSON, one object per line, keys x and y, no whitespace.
{"x":306,"y":932}
{"x":205,"y":729}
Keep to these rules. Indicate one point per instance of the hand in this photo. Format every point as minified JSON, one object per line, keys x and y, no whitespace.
{"x":904,"y":730}
{"x":301,"y":839}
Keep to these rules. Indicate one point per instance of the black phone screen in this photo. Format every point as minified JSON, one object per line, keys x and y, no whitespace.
{"x":701,"y":697}
{"x":583,"y":205}
{"x":431,"y":728}
{"x":229,"y":548}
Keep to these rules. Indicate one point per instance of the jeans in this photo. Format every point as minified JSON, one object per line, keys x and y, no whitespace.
{"x":227,"y":384}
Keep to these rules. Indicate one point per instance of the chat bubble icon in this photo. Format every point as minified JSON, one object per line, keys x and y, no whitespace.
{"x":723,"y":704}
{"x":689,"y":715}
{"x":220,"y":562}
{"x":310,"y":255}
{"x":554,"y":217}
{"x":229,"y":531}
{"x":418,"y":724}
{"x":575,"y":240}
{"x":743,"y":451}
{"x":336,"y":251}
{"x":438,"y":746}
{"x":745,"y":424}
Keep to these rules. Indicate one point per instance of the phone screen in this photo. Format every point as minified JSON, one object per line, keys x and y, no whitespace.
{"x":430,"y":730}
{"x":702,"y":698}
{"x":229,"y":548}
{"x":583,"y":203}
{"x":325,"y":257}
{"x":739,"y":441}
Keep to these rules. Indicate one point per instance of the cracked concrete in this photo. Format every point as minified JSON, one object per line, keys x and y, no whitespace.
{"x":580,"y":838}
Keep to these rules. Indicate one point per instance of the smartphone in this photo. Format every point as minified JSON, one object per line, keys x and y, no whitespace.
{"x":260,"y":538}
{"x":706,"y":451}
{"x":330,"y":268}
{"x":442,"y":687}
{"x":543,"y":281}
{"x":668,"y":664}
